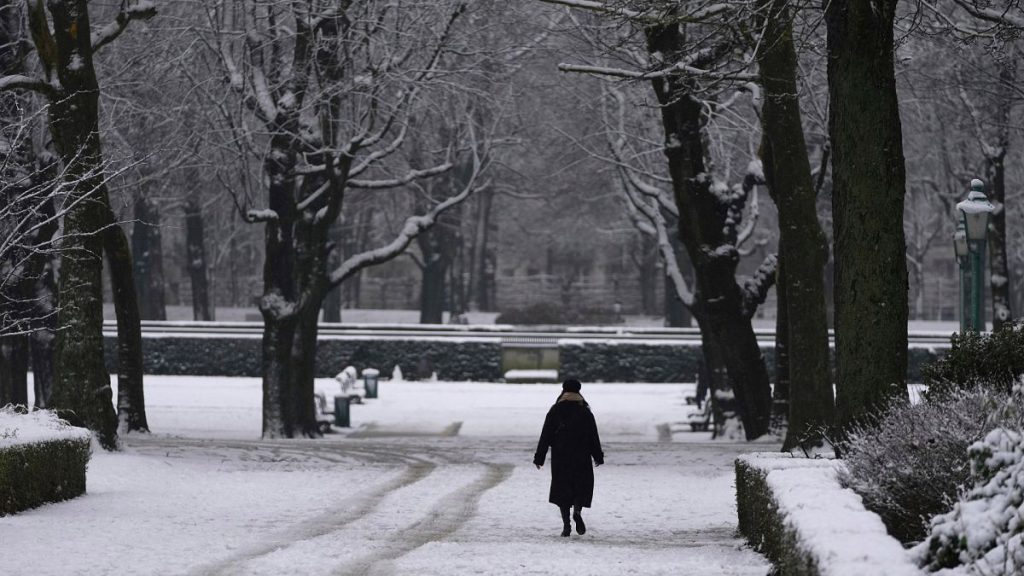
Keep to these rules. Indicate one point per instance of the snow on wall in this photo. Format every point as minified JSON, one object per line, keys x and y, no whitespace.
{"x":796,"y":511}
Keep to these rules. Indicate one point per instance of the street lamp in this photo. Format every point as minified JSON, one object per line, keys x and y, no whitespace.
{"x":969,"y":243}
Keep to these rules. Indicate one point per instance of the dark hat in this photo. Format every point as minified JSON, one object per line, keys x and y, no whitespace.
{"x":571,"y":385}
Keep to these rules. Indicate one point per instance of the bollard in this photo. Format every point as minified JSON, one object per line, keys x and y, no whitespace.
{"x":370,"y":380}
{"x":341,"y":419}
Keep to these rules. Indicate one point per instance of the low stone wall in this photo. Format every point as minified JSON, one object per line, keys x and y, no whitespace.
{"x":795,"y":512}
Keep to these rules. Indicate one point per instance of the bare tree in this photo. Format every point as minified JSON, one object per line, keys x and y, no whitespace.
{"x":332,"y":87}
{"x":65,"y":44}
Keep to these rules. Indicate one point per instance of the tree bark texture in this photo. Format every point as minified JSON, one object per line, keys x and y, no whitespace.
{"x":148,"y":260}
{"x":14,"y":355}
{"x":438,"y":249}
{"x":802,"y":246}
{"x":195,"y":258}
{"x":483,"y":254}
{"x":867,"y":204}
{"x":82,"y":385}
{"x":709,"y":240}
{"x":131,"y":401}
{"x":780,"y":392}
{"x":999,"y":270}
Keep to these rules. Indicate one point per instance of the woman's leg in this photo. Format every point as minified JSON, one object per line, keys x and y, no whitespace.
{"x":566,"y":528}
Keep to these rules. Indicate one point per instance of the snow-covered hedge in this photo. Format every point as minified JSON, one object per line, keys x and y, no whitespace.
{"x":42,"y":459}
{"x":910,"y":463}
{"x":984,"y":533}
{"x":796,"y":513}
{"x":606,"y":361}
{"x":452,"y":359}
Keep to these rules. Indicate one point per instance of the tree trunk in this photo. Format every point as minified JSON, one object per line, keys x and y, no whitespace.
{"x":483,"y":275}
{"x":303,"y":370}
{"x":278,"y":410}
{"x":43,"y":338}
{"x":41,"y":346}
{"x":14,"y":355}
{"x":677,"y":315}
{"x":195,"y":257}
{"x":869,"y":187}
{"x":999,"y":278}
{"x":82,"y":384}
{"x":148,"y":260}
{"x":432,"y":288}
{"x":131,"y":402}
{"x":332,"y":305}
{"x":802,"y":244}
{"x":647,"y":274}
{"x":780,"y":394}
{"x":709,"y":240}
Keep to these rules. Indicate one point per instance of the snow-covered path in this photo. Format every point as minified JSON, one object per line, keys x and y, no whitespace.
{"x":396,"y":498}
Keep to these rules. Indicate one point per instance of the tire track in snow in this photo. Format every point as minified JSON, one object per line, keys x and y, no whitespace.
{"x":449,"y":514}
{"x":332,"y":520}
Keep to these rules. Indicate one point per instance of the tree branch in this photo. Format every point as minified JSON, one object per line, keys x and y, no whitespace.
{"x":143,"y":10}
{"x":21,"y":82}
{"x":402,"y":180}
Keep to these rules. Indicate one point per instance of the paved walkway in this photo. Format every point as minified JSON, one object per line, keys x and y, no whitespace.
{"x":450,"y":505}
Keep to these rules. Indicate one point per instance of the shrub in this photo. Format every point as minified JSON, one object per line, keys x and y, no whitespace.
{"x":42,"y":459}
{"x":984,"y":529}
{"x":909,"y":465}
{"x":551,"y":314}
{"x":995,"y":360}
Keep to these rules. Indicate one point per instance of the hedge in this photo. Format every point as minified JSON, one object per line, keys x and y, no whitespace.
{"x":452,"y":359}
{"x":235,"y":356}
{"x":41,"y":472}
{"x":794,"y":511}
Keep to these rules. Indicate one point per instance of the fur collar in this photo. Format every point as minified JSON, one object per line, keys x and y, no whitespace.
{"x":571,"y":397}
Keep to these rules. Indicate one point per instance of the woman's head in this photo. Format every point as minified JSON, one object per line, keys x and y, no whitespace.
{"x":571,"y":385}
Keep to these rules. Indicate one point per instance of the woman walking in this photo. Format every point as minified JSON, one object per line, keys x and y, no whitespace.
{"x":571,"y":432}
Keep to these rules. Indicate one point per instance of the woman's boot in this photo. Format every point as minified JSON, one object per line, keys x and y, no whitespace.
{"x":566,"y":528}
{"x":581,"y":528}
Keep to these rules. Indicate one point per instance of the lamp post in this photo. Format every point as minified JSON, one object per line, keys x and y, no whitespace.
{"x":969,"y":243}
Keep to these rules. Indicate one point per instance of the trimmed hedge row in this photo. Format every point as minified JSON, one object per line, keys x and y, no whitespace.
{"x":41,"y":472}
{"x":597,"y":361}
{"x":794,"y":511}
{"x":627,"y":362}
{"x":234,"y":356}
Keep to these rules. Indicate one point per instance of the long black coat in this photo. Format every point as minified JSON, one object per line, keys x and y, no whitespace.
{"x":571,"y":433}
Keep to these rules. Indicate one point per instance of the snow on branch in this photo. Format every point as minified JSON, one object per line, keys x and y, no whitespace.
{"x":755,"y":289}
{"x":678,"y":68}
{"x":606,"y":9}
{"x":700,"y":15}
{"x":402,"y":180}
{"x":414,"y":226}
{"x":993,"y":15}
{"x":266,"y":215}
{"x":142,"y":10}
{"x":21,"y":82}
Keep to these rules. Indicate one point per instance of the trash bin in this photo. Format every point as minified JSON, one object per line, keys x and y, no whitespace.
{"x":341,"y":418}
{"x":370,"y":379}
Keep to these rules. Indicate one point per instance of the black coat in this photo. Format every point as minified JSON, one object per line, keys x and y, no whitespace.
{"x":571,"y":433}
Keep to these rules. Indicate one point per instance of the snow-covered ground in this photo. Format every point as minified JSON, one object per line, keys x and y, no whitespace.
{"x":433,"y":478}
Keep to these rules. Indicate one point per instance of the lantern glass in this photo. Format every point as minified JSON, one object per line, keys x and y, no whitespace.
{"x":974,"y":212}
{"x":960,"y":242}
{"x":976,"y":224}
